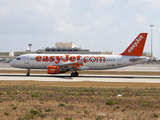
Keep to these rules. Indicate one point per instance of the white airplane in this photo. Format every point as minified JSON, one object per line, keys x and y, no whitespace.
{"x":61,"y":63}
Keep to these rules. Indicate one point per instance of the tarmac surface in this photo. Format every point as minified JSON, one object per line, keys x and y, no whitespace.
{"x":81,"y":78}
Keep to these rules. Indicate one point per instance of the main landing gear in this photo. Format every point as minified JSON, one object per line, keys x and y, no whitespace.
{"x":28,"y":73}
{"x":74,"y":74}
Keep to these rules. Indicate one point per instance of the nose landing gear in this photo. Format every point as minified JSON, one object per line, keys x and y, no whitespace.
{"x":74,"y":74}
{"x":28,"y":73}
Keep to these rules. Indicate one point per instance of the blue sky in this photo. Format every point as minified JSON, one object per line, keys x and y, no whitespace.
{"x":98,"y":25}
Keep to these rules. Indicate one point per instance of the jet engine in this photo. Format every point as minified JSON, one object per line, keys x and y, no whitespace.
{"x":55,"y":70}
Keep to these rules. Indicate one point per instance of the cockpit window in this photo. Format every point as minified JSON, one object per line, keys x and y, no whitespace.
{"x":18,"y":59}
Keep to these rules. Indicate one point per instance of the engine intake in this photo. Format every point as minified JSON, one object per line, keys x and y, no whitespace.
{"x":54,"y":70}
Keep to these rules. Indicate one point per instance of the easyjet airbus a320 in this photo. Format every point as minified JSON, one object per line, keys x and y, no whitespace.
{"x":61,"y":63}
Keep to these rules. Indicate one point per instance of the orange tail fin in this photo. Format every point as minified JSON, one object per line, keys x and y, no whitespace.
{"x":136,"y":47}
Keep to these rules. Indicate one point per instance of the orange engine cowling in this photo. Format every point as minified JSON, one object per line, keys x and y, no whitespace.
{"x":54,"y":70}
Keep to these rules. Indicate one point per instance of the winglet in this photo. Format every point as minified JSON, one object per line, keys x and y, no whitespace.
{"x":136,"y":47}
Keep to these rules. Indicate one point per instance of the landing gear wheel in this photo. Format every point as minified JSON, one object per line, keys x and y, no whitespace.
{"x":27,"y":74}
{"x":72,"y":74}
{"x":76,"y":74}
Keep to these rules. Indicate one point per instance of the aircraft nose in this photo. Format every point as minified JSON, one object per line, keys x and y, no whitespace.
{"x":12,"y":63}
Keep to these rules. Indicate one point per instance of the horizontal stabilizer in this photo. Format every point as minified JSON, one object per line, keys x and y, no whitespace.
{"x":137,"y":59}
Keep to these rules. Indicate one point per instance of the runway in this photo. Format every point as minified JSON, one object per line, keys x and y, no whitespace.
{"x":81,"y":78}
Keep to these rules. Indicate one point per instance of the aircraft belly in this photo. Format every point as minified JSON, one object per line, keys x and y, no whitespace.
{"x":96,"y":66}
{"x":40,"y":65}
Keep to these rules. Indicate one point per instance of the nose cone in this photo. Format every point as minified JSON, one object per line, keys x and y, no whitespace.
{"x":12,"y":63}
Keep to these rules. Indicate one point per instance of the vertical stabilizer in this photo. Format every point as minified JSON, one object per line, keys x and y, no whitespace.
{"x":137,"y":46}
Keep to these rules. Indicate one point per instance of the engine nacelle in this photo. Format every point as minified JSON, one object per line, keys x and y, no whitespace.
{"x":54,"y":70}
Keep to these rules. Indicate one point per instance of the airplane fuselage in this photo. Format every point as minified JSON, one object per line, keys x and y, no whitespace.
{"x":90,"y":62}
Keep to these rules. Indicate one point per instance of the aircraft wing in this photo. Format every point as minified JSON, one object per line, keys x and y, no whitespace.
{"x":71,"y":65}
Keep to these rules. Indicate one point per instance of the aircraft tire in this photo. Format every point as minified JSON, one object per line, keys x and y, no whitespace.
{"x":72,"y":74}
{"x":27,"y":74}
{"x":76,"y":74}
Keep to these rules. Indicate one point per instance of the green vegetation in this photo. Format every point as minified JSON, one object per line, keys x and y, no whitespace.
{"x":110,"y":103}
{"x":100,"y":117}
{"x":86,"y":111}
{"x":32,"y":113}
{"x":78,"y":111}
{"x":14,"y":107}
{"x":117,"y":107}
{"x":35,"y":95}
{"x":49,"y":110}
{"x":61,"y":105}
{"x":11,"y":104}
{"x":155,"y":115}
{"x":6,"y":113}
{"x":68,"y":118}
{"x":144,"y":104}
{"x":49,"y":95}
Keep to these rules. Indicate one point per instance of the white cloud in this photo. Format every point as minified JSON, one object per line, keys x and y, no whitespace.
{"x":139,"y":19}
{"x":124,"y":25}
{"x":157,"y":26}
{"x":141,"y":22}
{"x":113,"y":29}
{"x":91,"y":25}
{"x":100,"y":3}
{"x":52,"y":16}
{"x":143,"y":4}
{"x":52,"y":6}
{"x":64,"y":27}
{"x":87,"y":17}
{"x":105,"y":23}
{"x":30,"y":16}
{"x":3,"y":13}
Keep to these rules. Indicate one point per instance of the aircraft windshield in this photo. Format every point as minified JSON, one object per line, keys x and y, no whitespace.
{"x":18,"y":59}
